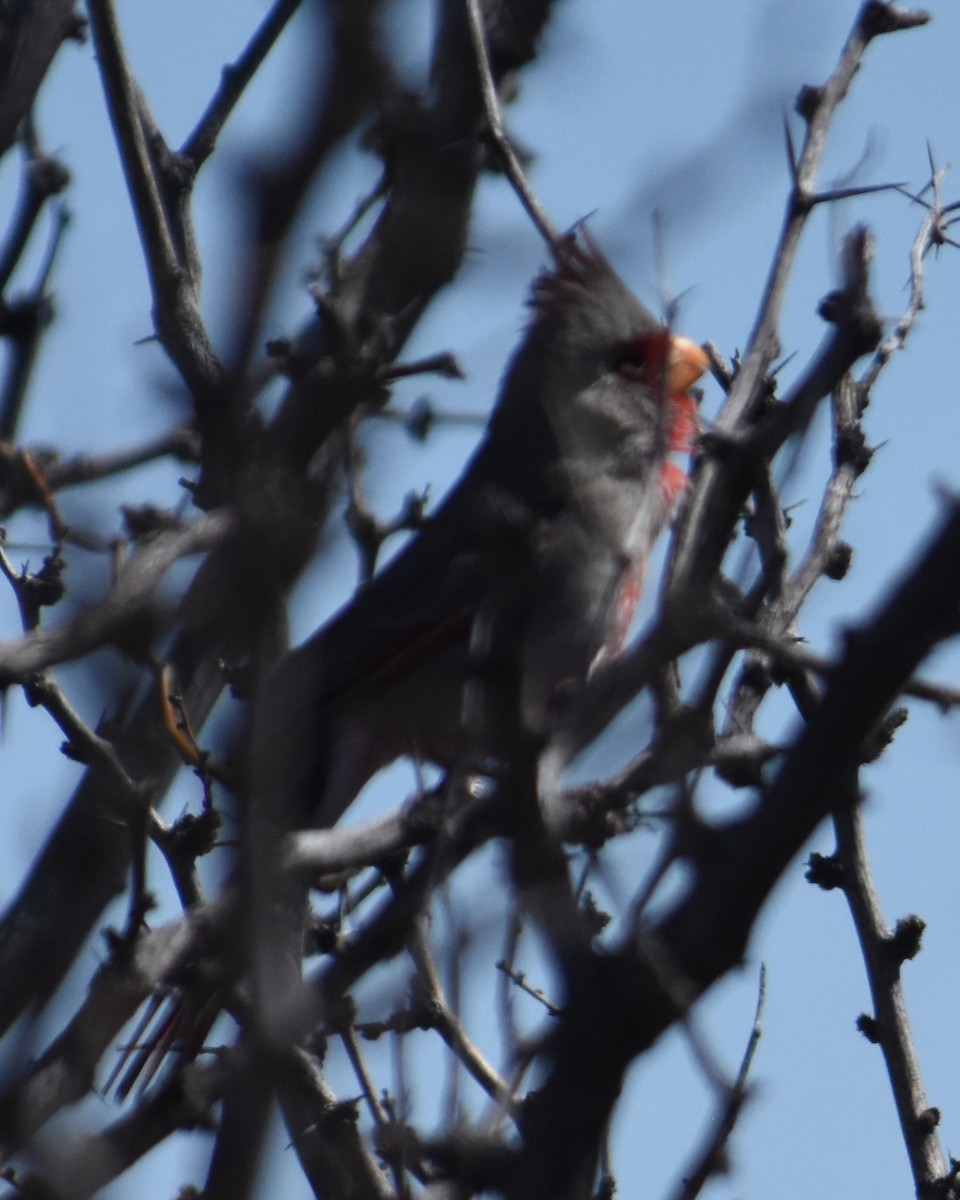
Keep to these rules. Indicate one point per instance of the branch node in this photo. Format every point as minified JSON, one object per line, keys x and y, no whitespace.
{"x":808,"y":101}
{"x":907,"y":938}
{"x":839,"y":557}
{"x":825,"y":871}
{"x":877,"y":17}
{"x":883,"y":733}
{"x":851,"y":449}
{"x":928,"y":1120}
{"x":870,"y":1028}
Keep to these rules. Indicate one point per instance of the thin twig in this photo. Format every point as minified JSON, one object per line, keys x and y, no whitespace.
{"x":708,"y":518}
{"x":159,"y":184}
{"x":491,"y":102}
{"x":42,"y":176}
{"x":349,"y":1039}
{"x":180,"y":444}
{"x":201,"y":143}
{"x":519,"y":978}
{"x":131,"y":600}
{"x":710,"y":1160}
{"x":84,"y":744}
{"x":928,"y":1162}
{"x":26,"y":319}
{"x":928,"y":235}
{"x":449,"y":1025}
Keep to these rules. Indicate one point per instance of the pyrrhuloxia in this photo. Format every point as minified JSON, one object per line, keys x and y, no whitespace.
{"x":490,"y":618}
{"x":528,"y":573}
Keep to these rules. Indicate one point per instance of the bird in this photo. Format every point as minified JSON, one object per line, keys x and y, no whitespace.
{"x":489,"y":620}
{"x":526,"y":577}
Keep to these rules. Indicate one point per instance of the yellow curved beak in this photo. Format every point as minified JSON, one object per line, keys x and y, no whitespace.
{"x":685,"y":364}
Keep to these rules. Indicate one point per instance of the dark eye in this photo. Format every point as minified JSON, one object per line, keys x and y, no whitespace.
{"x":642,"y":357}
{"x":635,"y":359}
{"x":630,"y":357}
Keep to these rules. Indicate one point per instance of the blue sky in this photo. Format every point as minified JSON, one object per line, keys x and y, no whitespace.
{"x":631,"y":109}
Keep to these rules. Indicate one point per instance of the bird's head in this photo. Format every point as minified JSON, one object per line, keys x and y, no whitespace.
{"x":612,"y":379}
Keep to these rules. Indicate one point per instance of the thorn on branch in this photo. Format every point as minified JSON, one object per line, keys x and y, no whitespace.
{"x":848,"y":193}
{"x":793,"y":161}
{"x":419,"y":419}
{"x":493,"y":159}
{"x":75,"y":752}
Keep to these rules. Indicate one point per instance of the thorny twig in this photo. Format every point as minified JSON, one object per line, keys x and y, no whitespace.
{"x":882,"y":960}
{"x":710,"y":514}
{"x":387,"y":930}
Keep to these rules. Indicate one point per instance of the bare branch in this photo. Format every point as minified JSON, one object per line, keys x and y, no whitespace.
{"x":710,"y":1160}
{"x":160,"y":185}
{"x":705,"y":933}
{"x":710,"y":506}
{"x":42,"y":177}
{"x":200,"y":144}
{"x":511,"y":163}
{"x":891,"y":1022}
{"x":64,"y":1073}
{"x":20,"y":484}
{"x":131,"y":601}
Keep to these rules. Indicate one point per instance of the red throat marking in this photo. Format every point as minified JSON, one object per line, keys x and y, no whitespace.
{"x":627,"y":601}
